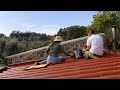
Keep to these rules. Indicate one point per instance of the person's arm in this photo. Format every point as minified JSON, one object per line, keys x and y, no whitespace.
{"x":47,"y":50}
{"x":88,"y":44}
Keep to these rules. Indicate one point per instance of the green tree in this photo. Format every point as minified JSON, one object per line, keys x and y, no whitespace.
{"x":72,"y":32}
{"x":2,"y":35}
{"x":104,"y":20}
{"x":101,"y":22}
{"x":13,"y":47}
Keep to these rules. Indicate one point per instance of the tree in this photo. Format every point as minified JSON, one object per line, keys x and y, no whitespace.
{"x":2,"y":35}
{"x":72,"y":32}
{"x":101,"y":22}
{"x":14,"y":33}
{"x":13,"y":47}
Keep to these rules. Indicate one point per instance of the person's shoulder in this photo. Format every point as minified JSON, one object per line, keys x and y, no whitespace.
{"x":95,"y":36}
{"x":89,"y":38}
{"x":99,"y":36}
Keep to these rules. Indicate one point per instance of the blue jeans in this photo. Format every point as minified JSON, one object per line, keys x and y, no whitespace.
{"x":52,"y":60}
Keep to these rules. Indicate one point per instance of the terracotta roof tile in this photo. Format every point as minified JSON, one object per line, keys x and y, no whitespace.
{"x":107,"y":67}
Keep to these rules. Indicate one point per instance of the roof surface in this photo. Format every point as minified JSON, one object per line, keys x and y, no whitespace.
{"x":107,"y":67}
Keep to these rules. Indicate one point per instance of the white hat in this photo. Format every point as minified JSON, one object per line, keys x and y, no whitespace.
{"x":58,"y":38}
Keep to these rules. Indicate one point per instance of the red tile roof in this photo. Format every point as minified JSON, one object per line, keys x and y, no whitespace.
{"x":107,"y":67}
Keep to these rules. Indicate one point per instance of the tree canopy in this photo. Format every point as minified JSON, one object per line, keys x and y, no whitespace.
{"x":72,"y":32}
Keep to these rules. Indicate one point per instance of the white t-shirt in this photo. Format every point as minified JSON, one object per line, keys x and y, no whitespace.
{"x":96,"y":43}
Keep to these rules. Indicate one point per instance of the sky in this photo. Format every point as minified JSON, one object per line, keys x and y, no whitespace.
{"x":48,"y":22}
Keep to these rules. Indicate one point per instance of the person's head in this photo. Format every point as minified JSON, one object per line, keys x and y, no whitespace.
{"x":58,"y":39}
{"x":91,"y":32}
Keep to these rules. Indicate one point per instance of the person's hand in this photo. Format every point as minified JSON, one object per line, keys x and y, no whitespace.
{"x":83,"y":50}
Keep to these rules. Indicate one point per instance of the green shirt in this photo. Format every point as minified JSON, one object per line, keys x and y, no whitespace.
{"x":55,"y":49}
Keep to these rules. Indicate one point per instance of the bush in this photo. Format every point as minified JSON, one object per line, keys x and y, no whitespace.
{"x":2,"y":63}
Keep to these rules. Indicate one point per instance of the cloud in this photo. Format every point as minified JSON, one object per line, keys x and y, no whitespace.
{"x":50,"y":29}
{"x":29,"y":25}
{"x":47,"y":29}
{"x":50,"y":26}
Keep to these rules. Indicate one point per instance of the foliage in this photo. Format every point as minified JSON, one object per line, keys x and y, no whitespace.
{"x":72,"y":32}
{"x":2,"y":63}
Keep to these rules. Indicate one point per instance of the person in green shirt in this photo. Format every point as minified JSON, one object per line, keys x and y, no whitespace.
{"x":53,"y":51}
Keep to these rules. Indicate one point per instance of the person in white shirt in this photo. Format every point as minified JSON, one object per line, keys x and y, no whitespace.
{"x":94,"y":45}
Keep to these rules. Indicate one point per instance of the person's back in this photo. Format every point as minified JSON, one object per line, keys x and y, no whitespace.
{"x":96,"y":42}
{"x":94,"y":45}
{"x":56,"y":49}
